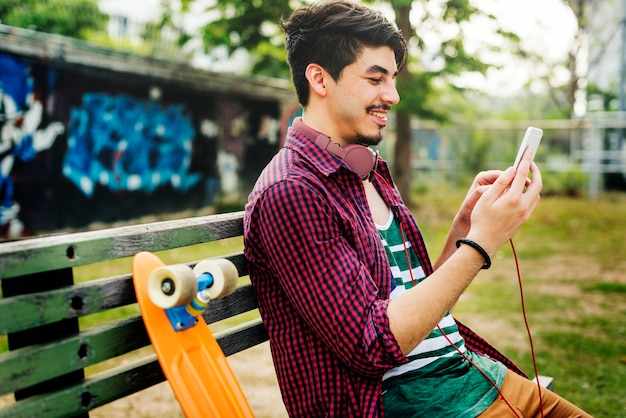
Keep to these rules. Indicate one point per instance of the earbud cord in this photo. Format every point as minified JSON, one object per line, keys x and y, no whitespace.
{"x":530,"y":337}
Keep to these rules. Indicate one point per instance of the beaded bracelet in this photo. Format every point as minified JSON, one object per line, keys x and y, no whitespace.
{"x":478,"y":248}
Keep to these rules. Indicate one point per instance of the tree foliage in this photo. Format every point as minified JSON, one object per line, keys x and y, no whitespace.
{"x":75,"y":18}
{"x":580,"y":57}
{"x":434,"y":29}
{"x":249,"y":25}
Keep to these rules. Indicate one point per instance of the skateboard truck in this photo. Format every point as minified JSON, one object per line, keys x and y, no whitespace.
{"x":184,"y":317}
{"x":184,"y":293}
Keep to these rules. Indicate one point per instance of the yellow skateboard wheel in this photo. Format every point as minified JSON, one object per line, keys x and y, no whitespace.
{"x":225,"y":276}
{"x":170,"y":286}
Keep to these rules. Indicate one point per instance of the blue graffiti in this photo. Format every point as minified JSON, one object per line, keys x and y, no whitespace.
{"x":126,"y":144}
{"x":21,"y":136}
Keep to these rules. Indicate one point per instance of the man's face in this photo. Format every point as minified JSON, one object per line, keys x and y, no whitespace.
{"x":363,"y":96}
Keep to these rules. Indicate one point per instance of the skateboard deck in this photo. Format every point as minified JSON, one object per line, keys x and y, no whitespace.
{"x":191,"y":359}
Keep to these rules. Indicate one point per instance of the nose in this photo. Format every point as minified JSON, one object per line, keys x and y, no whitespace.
{"x":390,"y":93}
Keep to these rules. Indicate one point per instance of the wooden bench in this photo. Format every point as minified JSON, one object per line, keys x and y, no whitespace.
{"x":48,"y":350}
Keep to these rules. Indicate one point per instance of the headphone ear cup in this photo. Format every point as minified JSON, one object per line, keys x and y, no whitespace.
{"x":360,"y":159}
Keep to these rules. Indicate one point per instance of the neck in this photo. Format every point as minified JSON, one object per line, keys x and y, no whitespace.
{"x":323,"y":125}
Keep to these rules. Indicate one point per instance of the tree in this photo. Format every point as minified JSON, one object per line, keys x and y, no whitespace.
{"x":572,"y":87}
{"x":581,"y":57}
{"x":253,"y":25}
{"x":577,"y":87}
{"x":74,"y":18}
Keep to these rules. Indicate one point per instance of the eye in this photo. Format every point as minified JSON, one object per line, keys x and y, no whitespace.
{"x":375,"y":80}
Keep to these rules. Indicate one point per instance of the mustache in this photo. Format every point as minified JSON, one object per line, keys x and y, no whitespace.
{"x":380,"y":106}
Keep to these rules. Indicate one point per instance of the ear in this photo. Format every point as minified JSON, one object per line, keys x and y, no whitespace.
{"x":317,"y":78}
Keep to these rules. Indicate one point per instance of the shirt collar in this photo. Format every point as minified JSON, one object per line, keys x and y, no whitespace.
{"x":301,"y":138}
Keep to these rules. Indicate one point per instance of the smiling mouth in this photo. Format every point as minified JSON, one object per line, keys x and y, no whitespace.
{"x":379,"y":114}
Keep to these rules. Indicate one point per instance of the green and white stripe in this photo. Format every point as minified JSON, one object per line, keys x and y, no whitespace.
{"x":435,"y":346}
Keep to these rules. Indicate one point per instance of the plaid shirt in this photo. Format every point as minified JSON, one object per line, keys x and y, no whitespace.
{"x":322,"y":280}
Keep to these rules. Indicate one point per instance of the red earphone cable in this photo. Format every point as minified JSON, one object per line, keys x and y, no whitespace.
{"x":530,"y":337}
{"x":450,"y":341}
{"x":408,"y":260}
{"x":481,"y":372}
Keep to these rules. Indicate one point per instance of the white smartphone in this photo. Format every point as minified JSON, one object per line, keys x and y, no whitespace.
{"x":532,"y":138}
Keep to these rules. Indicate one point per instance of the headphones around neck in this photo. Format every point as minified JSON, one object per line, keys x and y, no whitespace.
{"x":359,"y":158}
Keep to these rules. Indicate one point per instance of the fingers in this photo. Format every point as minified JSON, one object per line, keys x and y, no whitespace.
{"x":486,"y":177}
{"x":537,"y":180}
{"x":500,"y":184}
{"x":522,"y":183}
{"x":514,"y":186}
{"x":502,"y":207}
{"x":470,"y":201}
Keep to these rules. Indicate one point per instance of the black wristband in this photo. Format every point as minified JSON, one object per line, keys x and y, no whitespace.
{"x":478,"y":248}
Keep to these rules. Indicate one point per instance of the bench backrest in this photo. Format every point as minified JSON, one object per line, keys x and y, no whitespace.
{"x":49,"y":349}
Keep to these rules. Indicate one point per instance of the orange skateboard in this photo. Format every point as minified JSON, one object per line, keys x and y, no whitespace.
{"x":171,"y":300}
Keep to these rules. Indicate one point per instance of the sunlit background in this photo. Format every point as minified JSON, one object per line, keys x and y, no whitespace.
{"x":117,"y":112}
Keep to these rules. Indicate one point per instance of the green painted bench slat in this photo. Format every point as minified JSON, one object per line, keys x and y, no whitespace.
{"x":27,"y":311}
{"x":91,"y":393}
{"x":70,"y":250}
{"x":35,"y":364}
{"x":241,"y":337}
{"x":242,"y":300}
{"x":125,"y":380}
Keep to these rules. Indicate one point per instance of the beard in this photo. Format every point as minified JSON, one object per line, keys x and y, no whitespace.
{"x":369,"y":140}
{"x":372,"y":139}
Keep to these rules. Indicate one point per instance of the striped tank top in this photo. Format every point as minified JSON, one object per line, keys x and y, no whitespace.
{"x":435,"y":347}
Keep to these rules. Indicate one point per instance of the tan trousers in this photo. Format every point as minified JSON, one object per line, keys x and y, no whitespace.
{"x":523,"y":395}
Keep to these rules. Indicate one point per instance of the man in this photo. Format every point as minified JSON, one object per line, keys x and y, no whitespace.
{"x":358,"y":319}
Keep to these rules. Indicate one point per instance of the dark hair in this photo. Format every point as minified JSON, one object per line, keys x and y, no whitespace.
{"x":333,"y":34}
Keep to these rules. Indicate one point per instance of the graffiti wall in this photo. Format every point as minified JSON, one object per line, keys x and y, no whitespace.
{"x":127,"y":144}
{"x":77,"y":149}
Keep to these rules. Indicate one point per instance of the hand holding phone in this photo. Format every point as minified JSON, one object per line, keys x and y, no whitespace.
{"x":532,"y":138}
